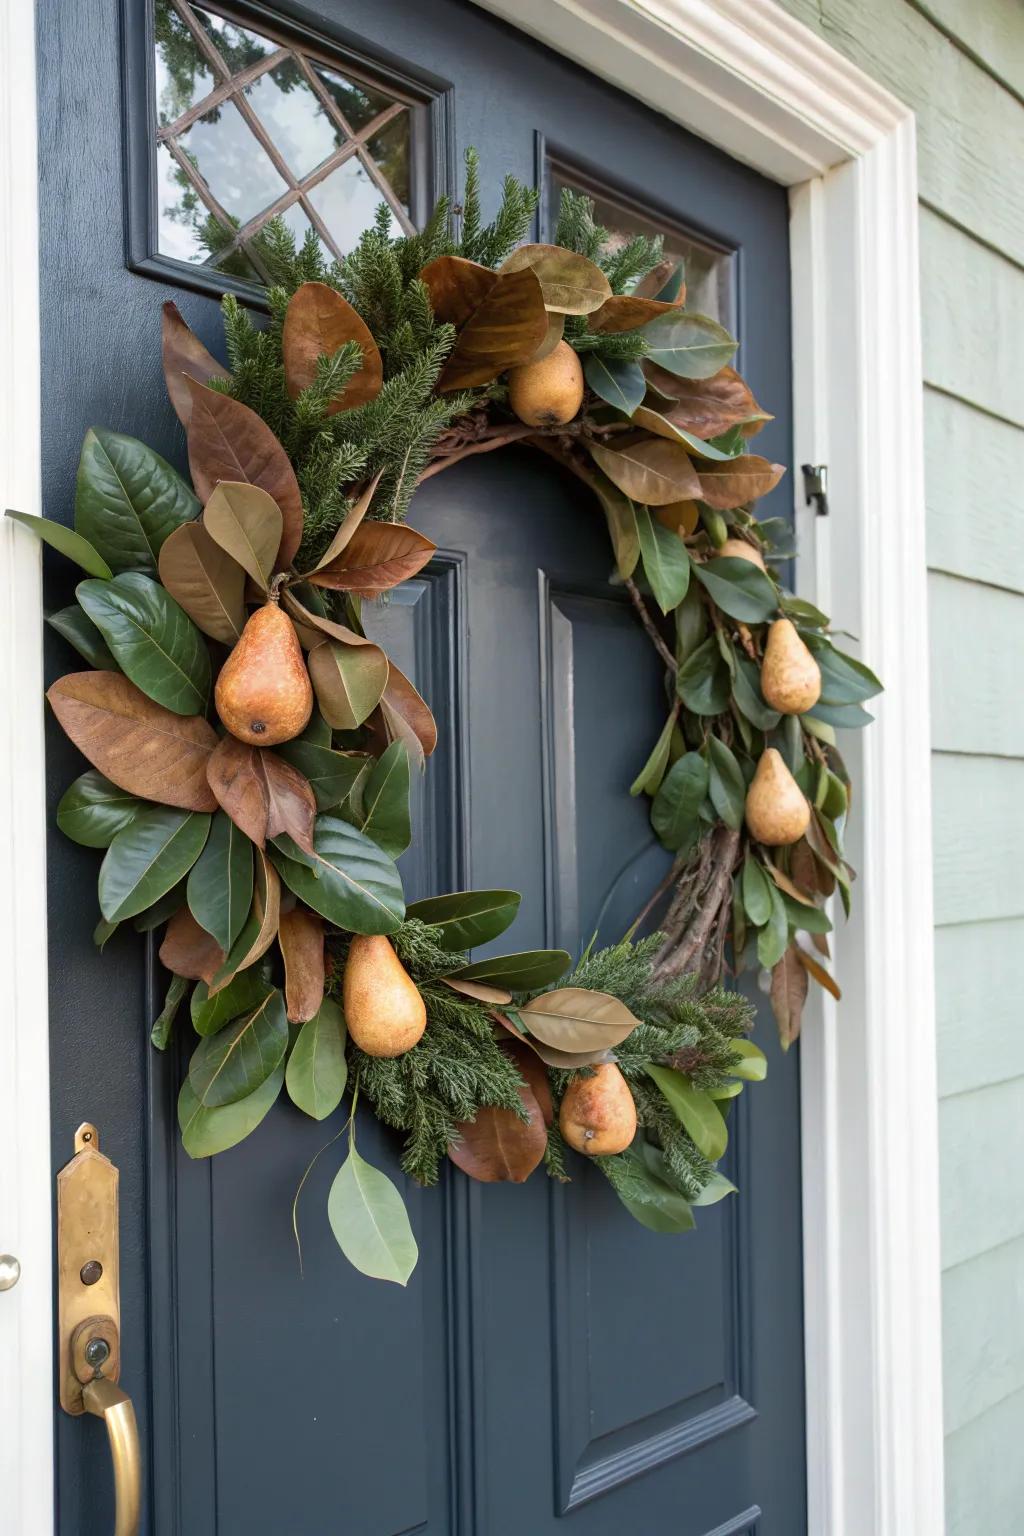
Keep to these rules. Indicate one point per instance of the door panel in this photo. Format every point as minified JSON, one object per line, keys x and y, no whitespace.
{"x":549,"y":1355}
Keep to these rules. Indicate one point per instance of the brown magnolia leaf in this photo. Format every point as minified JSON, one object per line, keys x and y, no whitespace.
{"x":708,"y":407}
{"x":260,"y":927}
{"x":820,"y":942}
{"x":536,"y":1077}
{"x":497,"y":1147}
{"x":141,"y":746}
{"x":577,"y":1019}
{"x":348,"y":525}
{"x":570,"y":283}
{"x":556,"y":330}
{"x":628,"y":311}
{"x":479,"y":990}
{"x":247,"y":524}
{"x":317,"y":322}
{"x":184,"y":354}
{"x":808,"y":872}
{"x":737,"y":481}
{"x":205,"y":581}
{"x":819,"y":973}
{"x":457,"y":288}
{"x":650,"y":470}
{"x":681,"y":516}
{"x":376,"y":557}
{"x":784,"y":883}
{"x":349,"y":681}
{"x":227,"y":441}
{"x":788,"y":995}
{"x":651,"y":284}
{"x":301,"y":937}
{"x":407,"y":716}
{"x":566,"y":1061}
{"x":262,"y":793}
{"x":188,"y":950}
{"x":313,"y":627}
{"x":504,"y":331}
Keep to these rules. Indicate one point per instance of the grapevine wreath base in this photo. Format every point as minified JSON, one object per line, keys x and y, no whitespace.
{"x":252,"y":750}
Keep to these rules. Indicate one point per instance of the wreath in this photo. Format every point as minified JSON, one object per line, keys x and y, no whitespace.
{"x":252,"y":749}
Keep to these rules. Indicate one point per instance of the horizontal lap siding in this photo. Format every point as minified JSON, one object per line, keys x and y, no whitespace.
{"x":961,"y":68}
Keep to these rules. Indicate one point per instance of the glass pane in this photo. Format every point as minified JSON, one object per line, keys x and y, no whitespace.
{"x":296,"y":220}
{"x":188,"y":231}
{"x":183,"y":76}
{"x":294,"y":117}
{"x":232,"y":162}
{"x":237,"y":263}
{"x":359,"y":104}
{"x":390,"y":149}
{"x":238,"y":46}
{"x":347,"y":202}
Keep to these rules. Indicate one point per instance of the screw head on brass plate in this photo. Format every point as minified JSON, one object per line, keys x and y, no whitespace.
{"x":10,"y":1271}
{"x":90,"y":1272}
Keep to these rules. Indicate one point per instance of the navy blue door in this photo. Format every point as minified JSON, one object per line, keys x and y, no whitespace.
{"x":551,"y":1365}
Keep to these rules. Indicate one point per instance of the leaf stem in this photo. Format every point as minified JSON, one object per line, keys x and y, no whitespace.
{"x":649,"y":625}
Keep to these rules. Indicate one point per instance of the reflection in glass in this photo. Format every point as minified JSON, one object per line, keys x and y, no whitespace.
{"x":188,"y":232}
{"x":389,"y":148}
{"x":183,"y":75}
{"x":232,"y":162}
{"x":347,"y":201}
{"x":238,"y":46}
{"x":295,"y":218}
{"x":358,"y":104}
{"x":294,"y":117}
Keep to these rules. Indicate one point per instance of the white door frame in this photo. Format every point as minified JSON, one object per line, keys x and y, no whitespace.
{"x":747,"y":77}
{"x":744,"y":75}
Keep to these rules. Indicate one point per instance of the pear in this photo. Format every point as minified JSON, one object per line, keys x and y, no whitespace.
{"x":739,"y":549}
{"x":263,"y":693}
{"x":598,"y":1115}
{"x":548,"y":393}
{"x":776,"y":809}
{"x":790,"y":677}
{"x":384,"y":1011}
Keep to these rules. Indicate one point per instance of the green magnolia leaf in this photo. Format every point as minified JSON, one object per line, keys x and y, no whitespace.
{"x":620,"y":515}
{"x":664,"y":426}
{"x":695,"y":1110}
{"x":205,"y":1132}
{"x":726,"y":785}
{"x":349,"y":681}
{"x":650,"y":1200}
{"x":691,"y":624}
{"x":386,"y":801}
{"x":653,"y":771}
{"x":844,"y":679}
{"x":757,"y":896}
{"x":370,"y":1222}
{"x":619,"y":382}
{"x":666,"y":561}
{"x":773,"y":940}
{"x":317,"y":1071}
{"x":521,"y":972}
{"x":79,"y":630}
{"x":127,"y":500}
{"x":331,"y":774}
{"x":464,"y":919}
{"x":102,"y":932}
{"x":849,"y":717}
{"x":703,"y":680}
{"x":153,"y":641}
{"x":161,"y":910}
{"x":675,"y":812}
{"x":234,"y":1062}
{"x":66,"y":540}
{"x":92,"y":810}
{"x":749,"y":698}
{"x":164,"y":1022}
{"x":241,"y":995}
{"x":691,"y":346}
{"x":148,"y":857}
{"x":220,"y":882}
{"x":348,"y":879}
{"x":717,"y":1187}
{"x":740,"y":588}
{"x":751,"y":1062}
{"x":806,"y":918}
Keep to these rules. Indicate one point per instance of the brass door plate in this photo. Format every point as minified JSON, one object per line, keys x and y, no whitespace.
{"x":88,"y":1284}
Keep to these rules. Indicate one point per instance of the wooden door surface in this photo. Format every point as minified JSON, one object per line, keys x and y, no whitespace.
{"x":551,"y":1364}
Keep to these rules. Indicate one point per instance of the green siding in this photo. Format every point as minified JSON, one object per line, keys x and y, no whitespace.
{"x":960,"y":65}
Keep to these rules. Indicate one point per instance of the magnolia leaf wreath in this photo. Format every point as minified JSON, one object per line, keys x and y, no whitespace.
{"x":252,"y":749}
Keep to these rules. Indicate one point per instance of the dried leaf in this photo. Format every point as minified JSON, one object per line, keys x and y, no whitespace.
{"x":652,"y":283}
{"x":708,"y":407}
{"x":228,"y":441}
{"x":301,"y":937}
{"x":576,"y":1019}
{"x":184,"y":354}
{"x":784,"y":883}
{"x":349,"y":525}
{"x":262,"y":793}
{"x":479,"y":991}
{"x":531,"y":1068}
{"x":247,"y":524}
{"x":376,"y":557}
{"x":497,"y":1147}
{"x":650,"y":470}
{"x":205,"y":581}
{"x":788,"y":995}
{"x":737,"y":481}
{"x":570,"y":283}
{"x":556,"y":331}
{"x":140,"y":746}
{"x":457,"y":288}
{"x":565,"y":1061}
{"x":260,"y":928}
{"x":681,"y":516}
{"x":349,"y":681}
{"x":317,"y":323}
{"x":407,"y":716}
{"x":505,"y":330}
{"x":189,"y":950}
{"x":819,"y":973}
{"x":625,"y":312}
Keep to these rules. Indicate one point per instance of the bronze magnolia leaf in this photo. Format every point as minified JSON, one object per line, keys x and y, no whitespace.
{"x":349,"y":681}
{"x":479,"y":990}
{"x":650,"y":470}
{"x":784,"y":883}
{"x":301,"y":937}
{"x":141,"y":746}
{"x":497,"y":1147}
{"x":577,"y":1019}
{"x":570,"y":283}
{"x":556,"y":330}
{"x":247,"y":524}
{"x":227,"y":441}
{"x":260,"y":927}
{"x":737,"y":481}
{"x":504,"y":331}
{"x":205,"y":581}
{"x":627,"y":311}
{"x":376,"y":557}
{"x":807,"y":872}
{"x":788,"y":995}
{"x":654,"y":281}
{"x":184,"y":355}
{"x":407,"y":716}
{"x":566,"y":1061}
{"x":681,"y":516}
{"x":188,"y":950}
{"x":262,"y":793}
{"x":821,"y":976}
{"x":317,"y":323}
{"x":708,"y":407}
{"x":457,"y":288}
{"x":348,"y":525}
{"x":536,"y":1077}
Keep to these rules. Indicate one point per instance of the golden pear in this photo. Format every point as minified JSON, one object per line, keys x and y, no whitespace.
{"x":384,"y":1011}
{"x":598,"y":1115}
{"x":776,"y":809}
{"x":739,"y":549}
{"x":263,"y":693}
{"x":790,"y":677}
{"x":548,"y":393}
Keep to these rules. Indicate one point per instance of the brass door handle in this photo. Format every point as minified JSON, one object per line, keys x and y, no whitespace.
{"x":114,"y":1407}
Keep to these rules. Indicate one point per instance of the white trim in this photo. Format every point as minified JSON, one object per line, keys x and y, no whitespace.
{"x":27,"y":1398}
{"x":750,"y":79}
